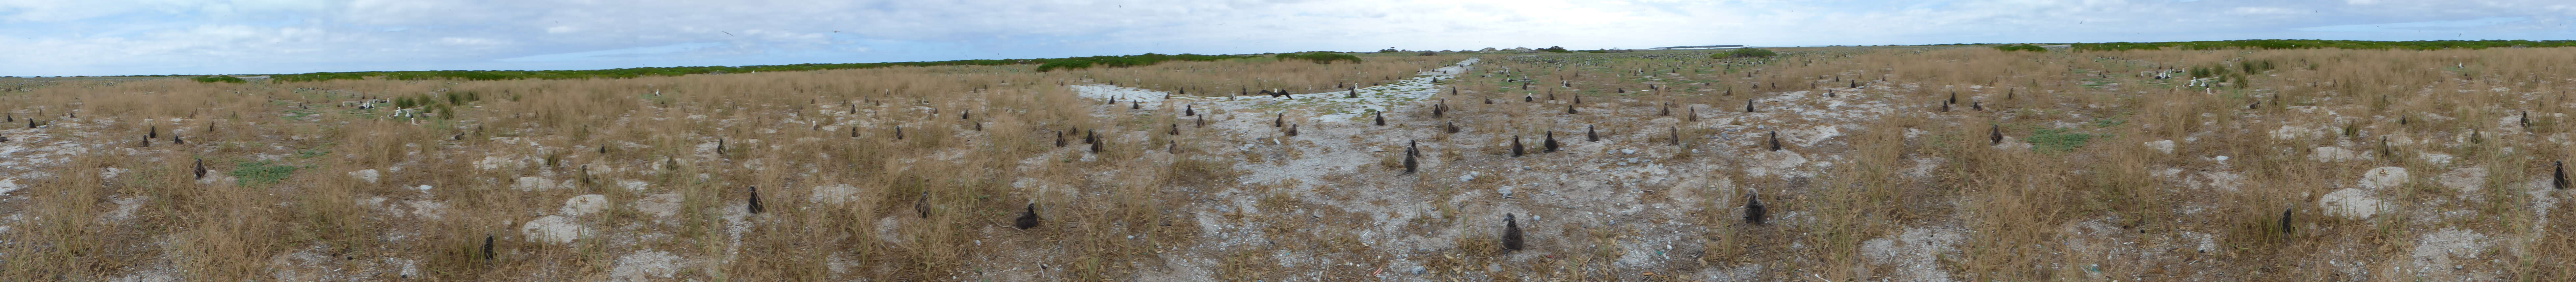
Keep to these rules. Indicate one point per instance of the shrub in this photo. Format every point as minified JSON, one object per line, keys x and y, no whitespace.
{"x":1555,"y":49}
{"x":258,"y":173}
{"x":220,"y":78}
{"x":2060,"y":140}
{"x":1319,"y":57}
{"x":2021,"y":47}
{"x":1744,"y":53}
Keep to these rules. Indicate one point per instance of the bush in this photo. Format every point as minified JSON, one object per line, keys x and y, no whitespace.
{"x":1744,"y":53}
{"x":2060,"y":140}
{"x":1319,"y":57}
{"x":220,"y":78}
{"x":1123,"y":61}
{"x":2021,"y":47}
{"x":1555,"y":49}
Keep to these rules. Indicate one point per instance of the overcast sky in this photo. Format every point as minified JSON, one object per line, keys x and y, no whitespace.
{"x":133,"y":37}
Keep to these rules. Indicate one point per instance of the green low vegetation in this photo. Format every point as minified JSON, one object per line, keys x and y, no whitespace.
{"x":220,"y":78}
{"x":1125,"y":61}
{"x":2060,"y":140}
{"x":1744,"y":53}
{"x":262,"y":173}
{"x":1319,"y":57}
{"x":2021,"y":47}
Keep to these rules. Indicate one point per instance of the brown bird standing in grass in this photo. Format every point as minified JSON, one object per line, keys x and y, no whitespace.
{"x":1569,"y":109}
{"x":1408,"y":161}
{"x":1775,"y":140}
{"x":156,"y":130}
{"x":1589,"y":135}
{"x":1280,"y":120}
{"x":1381,"y":117}
{"x":1059,"y":138}
{"x":922,"y":205}
{"x":1753,"y":210}
{"x":1748,"y":106}
{"x":201,"y":168}
{"x":1292,"y":130}
{"x":1452,"y":126}
{"x":1549,"y":146}
{"x":1677,"y":136}
{"x":487,"y":247}
{"x":755,"y":200}
{"x":1516,"y":145}
{"x":2285,"y":220}
{"x":1095,"y":146}
{"x":2558,"y":178}
{"x":1511,"y":233}
{"x":1996,"y":133}
{"x":1028,"y":218}
{"x":2526,"y":119}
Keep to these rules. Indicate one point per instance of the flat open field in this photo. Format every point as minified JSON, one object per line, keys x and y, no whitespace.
{"x":1869,"y":164}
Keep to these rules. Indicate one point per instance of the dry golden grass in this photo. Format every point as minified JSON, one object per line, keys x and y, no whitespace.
{"x":1892,"y":167}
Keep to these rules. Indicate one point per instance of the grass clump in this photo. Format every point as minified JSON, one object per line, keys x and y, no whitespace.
{"x":2021,"y":47}
{"x":262,"y":173}
{"x":220,"y":78}
{"x":1745,"y":53}
{"x":1319,"y":57}
{"x":2060,"y":140}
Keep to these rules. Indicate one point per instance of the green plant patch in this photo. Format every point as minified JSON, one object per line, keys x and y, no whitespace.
{"x":256,"y":173}
{"x":2060,"y":140}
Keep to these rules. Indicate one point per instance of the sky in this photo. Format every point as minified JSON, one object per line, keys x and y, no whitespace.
{"x":145,"y":37}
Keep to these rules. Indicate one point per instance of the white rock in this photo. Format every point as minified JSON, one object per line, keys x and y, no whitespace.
{"x":2166,"y":146}
{"x":659,"y":205}
{"x":2330,"y":154}
{"x":9,"y":184}
{"x":834,"y":194}
{"x":532,"y":183}
{"x":2436,"y":158}
{"x":2467,"y":180}
{"x":584,"y":204}
{"x":2445,"y":249}
{"x":645,"y":266}
{"x":370,"y":175}
{"x":553,"y":229}
{"x":2352,"y":203}
{"x":2383,"y":177}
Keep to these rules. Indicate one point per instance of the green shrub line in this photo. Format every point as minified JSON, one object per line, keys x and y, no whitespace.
{"x":1319,"y":57}
{"x":2021,"y":47}
{"x":1744,"y":53}
{"x":220,"y":78}
{"x":1125,"y":61}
